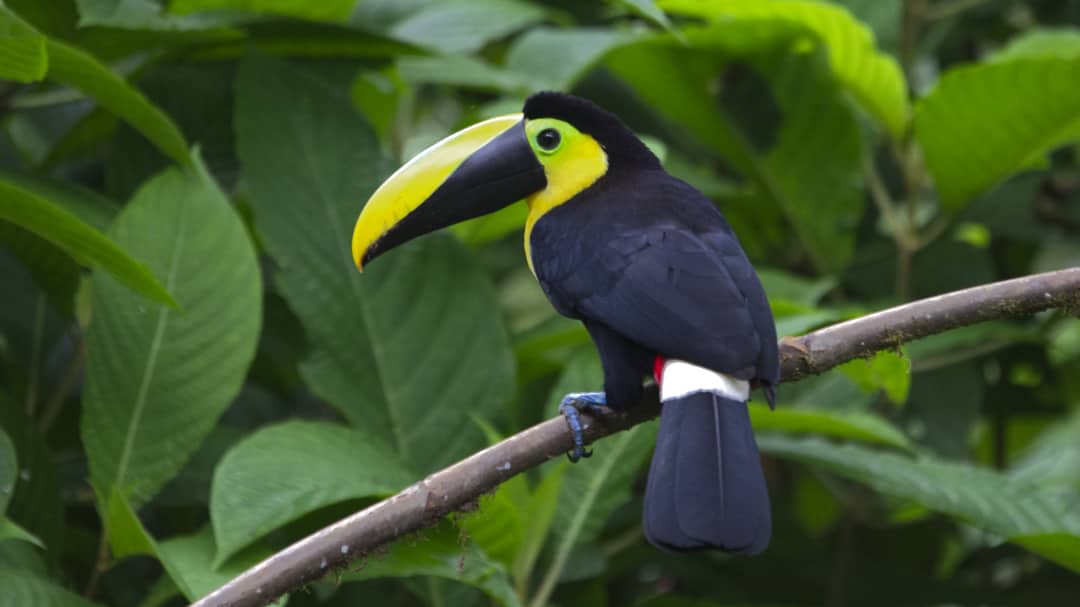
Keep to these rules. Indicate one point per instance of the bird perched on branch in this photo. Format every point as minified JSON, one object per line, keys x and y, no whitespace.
{"x":652,"y":269}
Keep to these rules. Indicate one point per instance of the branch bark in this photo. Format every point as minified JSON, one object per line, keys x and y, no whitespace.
{"x":424,"y":503}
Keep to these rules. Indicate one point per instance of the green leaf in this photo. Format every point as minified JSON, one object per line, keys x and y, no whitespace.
{"x":37,"y":504}
{"x":851,"y":425}
{"x":9,"y":470}
{"x":23,"y":558}
{"x":805,"y":291}
{"x":21,"y":590}
{"x":1053,"y":457}
{"x":1063,"y":548}
{"x":648,"y":10}
{"x":377,"y":94}
{"x":89,"y":206}
{"x":1015,"y":510}
{"x":873,"y":77}
{"x":887,"y":371}
{"x":189,"y":558}
{"x":158,"y":378}
{"x":79,"y":69}
{"x":127,"y":536}
{"x":307,"y":39}
{"x":459,"y":70}
{"x":816,"y":508}
{"x":1063,"y":43}
{"x":441,"y":553}
{"x":10,"y":530}
{"x":403,"y":349}
{"x":285,"y":471}
{"x":498,"y":526}
{"x":186,"y":559}
{"x":674,"y":82}
{"x":815,"y":164}
{"x":557,"y":58}
{"x":145,"y":15}
{"x":464,"y":26}
{"x":324,"y":10}
{"x":22,"y":49}
{"x":982,"y":123}
{"x":82,"y":242}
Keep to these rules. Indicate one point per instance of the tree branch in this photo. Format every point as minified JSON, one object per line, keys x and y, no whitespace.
{"x":426,"y":502}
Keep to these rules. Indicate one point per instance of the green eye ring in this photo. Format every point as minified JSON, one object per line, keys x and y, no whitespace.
{"x":548,"y":140}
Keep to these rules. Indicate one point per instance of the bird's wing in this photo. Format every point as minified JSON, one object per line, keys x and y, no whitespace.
{"x":674,"y":292}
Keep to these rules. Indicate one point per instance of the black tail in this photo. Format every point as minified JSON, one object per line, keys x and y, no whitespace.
{"x":706,"y":488}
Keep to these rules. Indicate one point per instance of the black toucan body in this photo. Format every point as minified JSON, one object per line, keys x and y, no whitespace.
{"x":652,"y":269}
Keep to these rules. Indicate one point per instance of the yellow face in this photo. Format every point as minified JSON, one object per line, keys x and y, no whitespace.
{"x":572,"y":161}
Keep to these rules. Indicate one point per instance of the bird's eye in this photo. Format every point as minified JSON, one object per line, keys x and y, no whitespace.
{"x":548,"y":139}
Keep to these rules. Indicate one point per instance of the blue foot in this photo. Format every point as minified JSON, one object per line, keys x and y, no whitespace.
{"x":571,"y":407}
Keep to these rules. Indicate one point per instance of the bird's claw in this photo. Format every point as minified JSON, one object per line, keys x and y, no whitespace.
{"x":571,"y":407}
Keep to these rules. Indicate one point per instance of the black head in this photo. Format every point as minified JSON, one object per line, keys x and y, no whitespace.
{"x":622,"y":146}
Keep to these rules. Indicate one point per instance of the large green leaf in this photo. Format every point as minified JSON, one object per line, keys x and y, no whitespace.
{"x":648,"y":10}
{"x":324,"y":10}
{"x":145,"y":15}
{"x":873,"y":77}
{"x":22,"y":49}
{"x":815,"y":164}
{"x":441,"y":553}
{"x":460,"y":70}
{"x":462,"y":26}
{"x":10,"y":530}
{"x":852,"y":425}
{"x":984,"y":122}
{"x":158,"y":378}
{"x":81,"y":70}
{"x":1013,"y":509}
{"x":187,"y":559}
{"x":406,"y":350}
{"x":556,"y":58}
{"x":88,"y":246}
{"x":285,"y":471}
{"x":21,"y":590}
{"x":1042,"y":43}
{"x":189,"y":562}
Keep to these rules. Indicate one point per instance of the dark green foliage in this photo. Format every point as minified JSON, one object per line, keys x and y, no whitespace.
{"x":193,"y":375}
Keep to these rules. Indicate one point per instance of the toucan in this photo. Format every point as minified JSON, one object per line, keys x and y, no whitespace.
{"x":651,"y":268}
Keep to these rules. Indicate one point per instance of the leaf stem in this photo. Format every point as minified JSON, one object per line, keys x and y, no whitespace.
{"x":100,"y":565}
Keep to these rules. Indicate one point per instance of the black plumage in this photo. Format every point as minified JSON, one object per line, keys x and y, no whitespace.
{"x":652,"y":268}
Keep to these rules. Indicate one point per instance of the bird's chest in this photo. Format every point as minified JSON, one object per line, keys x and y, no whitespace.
{"x":571,"y":250}
{"x":553,"y":252}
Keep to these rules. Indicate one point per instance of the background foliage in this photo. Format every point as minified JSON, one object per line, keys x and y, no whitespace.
{"x":192,"y":374}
